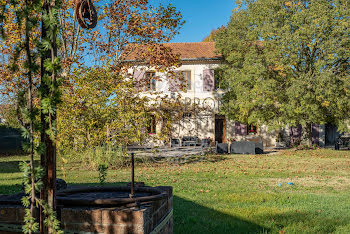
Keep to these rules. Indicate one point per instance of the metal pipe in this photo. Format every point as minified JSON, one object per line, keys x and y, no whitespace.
{"x":132,"y":194}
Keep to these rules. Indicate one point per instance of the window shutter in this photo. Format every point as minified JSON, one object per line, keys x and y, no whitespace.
{"x":139,"y":76}
{"x":295,"y":134}
{"x":296,"y":131}
{"x":172,"y":85}
{"x":208,"y":80}
{"x":237,"y":128}
{"x":244,"y":129}
{"x":240,"y":129}
{"x":174,"y":82}
{"x":315,"y":134}
{"x":299,"y":131}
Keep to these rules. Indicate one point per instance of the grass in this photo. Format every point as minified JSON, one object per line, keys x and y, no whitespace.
{"x":238,"y":193}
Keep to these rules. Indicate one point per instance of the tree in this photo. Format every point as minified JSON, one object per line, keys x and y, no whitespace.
{"x":129,"y":24}
{"x":31,"y":70}
{"x":213,"y":33}
{"x":102,"y":108}
{"x":288,"y":63}
{"x":130,"y":27}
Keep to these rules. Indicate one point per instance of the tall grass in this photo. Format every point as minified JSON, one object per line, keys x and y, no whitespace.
{"x":111,"y":156}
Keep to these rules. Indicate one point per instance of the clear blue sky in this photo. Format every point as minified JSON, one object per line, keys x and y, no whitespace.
{"x":201,"y":17}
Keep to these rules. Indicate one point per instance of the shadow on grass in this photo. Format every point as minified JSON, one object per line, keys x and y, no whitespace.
{"x":12,"y":166}
{"x":190,"y":217}
{"x":10,"y":189}
{"x":187,"y":159}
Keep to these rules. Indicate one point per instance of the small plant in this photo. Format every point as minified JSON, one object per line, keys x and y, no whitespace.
{"x":307,"y":147}
{"x":102,"y":172}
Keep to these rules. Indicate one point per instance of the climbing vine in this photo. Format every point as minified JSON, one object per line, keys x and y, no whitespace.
{"x":36,"y":107}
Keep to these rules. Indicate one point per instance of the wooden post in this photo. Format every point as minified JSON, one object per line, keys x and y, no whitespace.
{"x":132,"y":192}
{"x":48,"y":158}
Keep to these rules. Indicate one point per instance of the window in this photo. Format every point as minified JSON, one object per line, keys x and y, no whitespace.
{"x":150,"y":81}
{"x":218,"y":78}
{"x":187,"y":81}
{"x":187,"y":115}
{"x":252,"y":130}
{"x":152,"y":125}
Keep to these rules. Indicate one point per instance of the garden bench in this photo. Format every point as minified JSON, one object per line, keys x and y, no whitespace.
{"x":342,"y":142}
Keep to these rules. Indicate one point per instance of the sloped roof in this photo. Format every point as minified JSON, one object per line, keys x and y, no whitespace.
{"x":189,"y":51}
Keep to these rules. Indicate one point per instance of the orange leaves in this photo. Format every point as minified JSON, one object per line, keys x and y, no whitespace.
{"x":130,"y":22}
{"x":288,"y":4}
{"x":13,"y":67}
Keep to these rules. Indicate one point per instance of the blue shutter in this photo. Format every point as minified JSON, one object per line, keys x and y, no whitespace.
{"x":139,"y":78}
{"x":240,"y":129}
{"x":316,"y":134}
{"x":208,"y":80}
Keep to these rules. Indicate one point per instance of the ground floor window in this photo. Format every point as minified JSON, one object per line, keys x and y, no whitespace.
{"x":252,"y":130}
{"x":187,"y":115}
{"x":152,"y":125}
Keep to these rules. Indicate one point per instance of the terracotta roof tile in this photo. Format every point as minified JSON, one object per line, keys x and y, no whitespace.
{"x":189,"y":50}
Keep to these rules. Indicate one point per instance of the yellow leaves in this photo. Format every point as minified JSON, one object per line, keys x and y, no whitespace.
{"x":279,"y":68}
{"x":206,"y":191}
{"x":325,"y":104}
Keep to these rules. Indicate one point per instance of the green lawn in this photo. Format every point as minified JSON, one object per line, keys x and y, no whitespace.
{"x":238,"y":193}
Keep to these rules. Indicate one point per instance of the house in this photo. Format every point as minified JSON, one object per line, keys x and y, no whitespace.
{"x":200,"y":83}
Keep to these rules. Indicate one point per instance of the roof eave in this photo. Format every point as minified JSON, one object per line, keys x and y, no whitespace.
{"x":184,"y":59}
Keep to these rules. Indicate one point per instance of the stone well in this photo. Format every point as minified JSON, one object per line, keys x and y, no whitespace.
{"x":142,"y":216}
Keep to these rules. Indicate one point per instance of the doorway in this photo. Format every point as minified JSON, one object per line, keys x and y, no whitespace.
{"x":332,"y":134}
{"x":220,"y":128}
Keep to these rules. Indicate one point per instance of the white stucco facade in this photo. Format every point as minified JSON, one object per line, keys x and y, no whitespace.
{"x":200,"y":59}
{"x":203,"y":124}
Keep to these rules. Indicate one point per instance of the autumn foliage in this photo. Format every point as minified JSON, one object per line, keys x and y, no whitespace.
{"x":91,"y":96}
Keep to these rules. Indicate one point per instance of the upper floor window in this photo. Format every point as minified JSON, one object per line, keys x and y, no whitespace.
{"x":218,"y":79}
{"x":181,"y":81}
{"x":187,"y":81}
{"x":150,"y":81}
